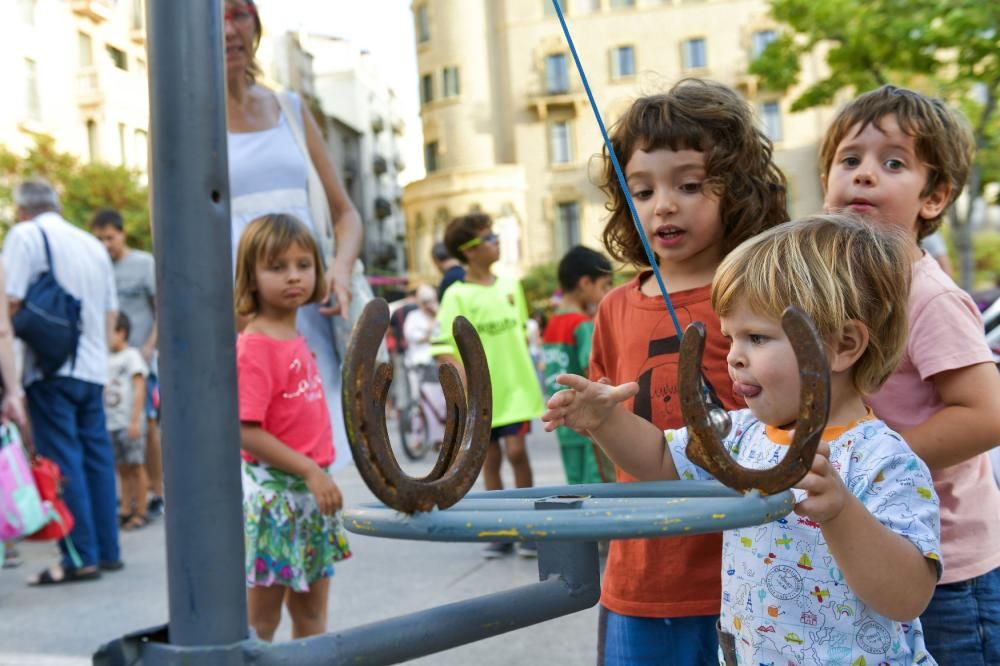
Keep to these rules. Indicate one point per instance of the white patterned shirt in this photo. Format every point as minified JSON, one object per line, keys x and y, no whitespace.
{"x":783,"y":596}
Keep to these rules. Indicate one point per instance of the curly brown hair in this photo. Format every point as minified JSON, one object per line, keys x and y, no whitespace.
{"x":941,"y":138}
{"x":713,"y":119}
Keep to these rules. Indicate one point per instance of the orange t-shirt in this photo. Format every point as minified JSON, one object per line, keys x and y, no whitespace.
{"x":635,"y":340}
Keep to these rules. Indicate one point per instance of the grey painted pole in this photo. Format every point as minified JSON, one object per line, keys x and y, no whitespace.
{"x":204,"y":520}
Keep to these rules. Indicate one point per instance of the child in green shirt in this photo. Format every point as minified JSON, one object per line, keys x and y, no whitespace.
{"x":497,"y":309}
{"x":585,"y":278}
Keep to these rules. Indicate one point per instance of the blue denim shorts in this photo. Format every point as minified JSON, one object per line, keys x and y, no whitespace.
{"x":624,"y":640}
{"x":962,"y":623}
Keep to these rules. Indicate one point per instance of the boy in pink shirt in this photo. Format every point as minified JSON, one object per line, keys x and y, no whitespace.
{"x":894,"y":156}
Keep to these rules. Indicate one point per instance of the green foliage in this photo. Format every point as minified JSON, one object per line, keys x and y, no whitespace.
{"x":539,"y":284}
{"x":944,"y":47}
{"x":82,"y":188}
{"x":986,"y":259}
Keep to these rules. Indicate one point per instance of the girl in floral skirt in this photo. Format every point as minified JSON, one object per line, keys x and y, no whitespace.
{"x":293,"y":531}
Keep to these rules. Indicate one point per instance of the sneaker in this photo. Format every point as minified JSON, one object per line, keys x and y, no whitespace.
{"x":527,"y":549}
{"x":155,"y":506}
{"x":497,"y":549}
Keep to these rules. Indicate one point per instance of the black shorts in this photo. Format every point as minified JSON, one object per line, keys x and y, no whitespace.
{"x":510,"y":430}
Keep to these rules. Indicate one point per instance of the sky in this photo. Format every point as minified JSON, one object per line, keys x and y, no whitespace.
{"x":382,"y":27}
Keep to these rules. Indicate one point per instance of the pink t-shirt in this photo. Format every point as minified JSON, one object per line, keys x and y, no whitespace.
{"x":946,"y":333}
{"x":280,"y":388}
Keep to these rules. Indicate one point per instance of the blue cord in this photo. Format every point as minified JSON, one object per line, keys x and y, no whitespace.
{"x":621,"y":175}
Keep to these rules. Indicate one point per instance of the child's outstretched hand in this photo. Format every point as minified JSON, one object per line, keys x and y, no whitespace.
{"x":584,"y":405}
{"x":827,"y":494}
{"x":325,"y":490}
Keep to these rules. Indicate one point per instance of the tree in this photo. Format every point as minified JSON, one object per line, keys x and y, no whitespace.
{"x":82,"y":188}
{"x":949,"y":48}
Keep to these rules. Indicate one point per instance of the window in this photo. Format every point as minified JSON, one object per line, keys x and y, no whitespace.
{"x":549,"y":9}
{"x":93,"y":146}
{"x":426,"y":88}
{"x":622,"y":4}
{"x":622,"y":62}
{"x":450,"y":83}
{"x":423,"y":25}
{"x":770,"y":113}
{"x":587,"y":6}
{"x":569,"y":224}
{"x":122,"y":150}
{"x":32,"y":102}
{"x":142,"y":148}
{"x":86,"y":47}
{"x":695,"y":55}
{"x":138,"y":15}
{"x":118,"y":57}
{"x":761,"y":39}
{"x":431,"y":156}
{"x":560,"y":149}
{"x":556,"y":73}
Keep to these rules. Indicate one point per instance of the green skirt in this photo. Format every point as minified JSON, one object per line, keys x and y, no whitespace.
{"x":288,"y":541}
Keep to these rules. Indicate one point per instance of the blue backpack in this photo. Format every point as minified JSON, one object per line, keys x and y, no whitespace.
{"x":49,"y":320}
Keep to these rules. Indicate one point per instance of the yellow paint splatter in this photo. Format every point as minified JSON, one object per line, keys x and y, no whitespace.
{"x":512,"y":532}
{"x":718,"y":516}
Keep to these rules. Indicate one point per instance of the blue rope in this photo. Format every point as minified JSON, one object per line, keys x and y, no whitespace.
{"x":621,"y":175}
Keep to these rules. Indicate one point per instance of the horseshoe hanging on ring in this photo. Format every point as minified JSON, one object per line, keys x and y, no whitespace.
{"x":467,"y":428}
{"x":705,"y":447}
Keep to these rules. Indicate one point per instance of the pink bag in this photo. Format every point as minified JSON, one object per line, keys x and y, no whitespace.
{"x":21,"y":508}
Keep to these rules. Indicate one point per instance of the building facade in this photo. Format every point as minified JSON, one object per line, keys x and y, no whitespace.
{"x":76,"y":70}
{"x":508,"y":129}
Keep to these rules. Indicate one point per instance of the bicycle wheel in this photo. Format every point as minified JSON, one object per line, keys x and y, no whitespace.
{"x":413,"y":431}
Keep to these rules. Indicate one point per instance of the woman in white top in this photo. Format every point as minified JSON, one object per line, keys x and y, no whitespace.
{"x":270,"y":173}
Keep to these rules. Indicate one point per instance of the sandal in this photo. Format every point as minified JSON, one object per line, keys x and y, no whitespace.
{"x":135,"y":522}
{"x":123,"y":518}
{"x":111,"y":565}
{"x":46,"y":576}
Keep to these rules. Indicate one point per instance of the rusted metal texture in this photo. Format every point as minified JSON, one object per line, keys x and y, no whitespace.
{"x":705,"y":446}
{"x":467,"y":428}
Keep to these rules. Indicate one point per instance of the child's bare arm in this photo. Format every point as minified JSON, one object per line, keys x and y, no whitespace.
{"x":886,"y":571}
{"x":269,"y":449}
{"x":970,"y":422}
{"x":594,"y":409}
{"x":138,"y":403}
{"x":443,"y":359}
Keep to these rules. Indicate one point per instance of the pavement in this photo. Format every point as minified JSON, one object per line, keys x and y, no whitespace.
{"x":64,"y":625}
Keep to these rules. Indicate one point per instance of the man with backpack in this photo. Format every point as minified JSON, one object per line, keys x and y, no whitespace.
{"x":60,"y":283}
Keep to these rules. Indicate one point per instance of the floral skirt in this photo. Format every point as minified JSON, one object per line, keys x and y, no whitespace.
{"x":288,"y":541}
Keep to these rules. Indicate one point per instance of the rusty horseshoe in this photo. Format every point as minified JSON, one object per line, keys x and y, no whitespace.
{"x":467,"y":429}
{"x":705,"y":447}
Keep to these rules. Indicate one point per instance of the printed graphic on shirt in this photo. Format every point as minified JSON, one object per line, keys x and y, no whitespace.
{"x":783,"y":596}
{"x":658,"y":400}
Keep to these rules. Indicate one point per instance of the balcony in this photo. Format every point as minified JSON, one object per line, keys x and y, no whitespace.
{"x":379,"y":165}
{"x":544,"y":98}
{"x":138,"y":36}
{"x":95,"y":10}
{"x":89,"y":94}
{"x":398,"y":162}
{"x":398,"y":126}
{"x":377,"y":123}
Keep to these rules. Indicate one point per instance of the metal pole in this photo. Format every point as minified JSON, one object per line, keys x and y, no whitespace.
{"x":204,"y":521}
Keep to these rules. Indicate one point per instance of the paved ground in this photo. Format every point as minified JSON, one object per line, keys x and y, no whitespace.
{"x":63,"y":625}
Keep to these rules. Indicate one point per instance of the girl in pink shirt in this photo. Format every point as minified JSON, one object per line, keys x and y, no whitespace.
{"x":293,"y":532}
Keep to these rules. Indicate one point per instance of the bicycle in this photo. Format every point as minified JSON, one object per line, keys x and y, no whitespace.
{"x":424,"y":415}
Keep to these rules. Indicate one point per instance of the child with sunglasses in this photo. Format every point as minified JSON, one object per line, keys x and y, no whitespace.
{"x":496,"y":307}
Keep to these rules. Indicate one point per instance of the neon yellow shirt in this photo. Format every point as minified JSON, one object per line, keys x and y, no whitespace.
{"x":499,"y":313}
